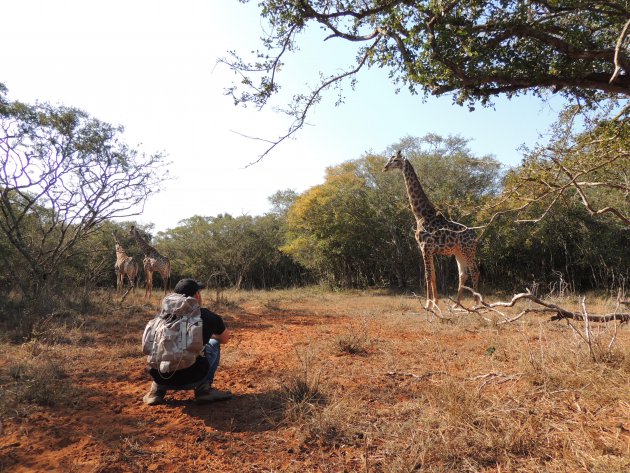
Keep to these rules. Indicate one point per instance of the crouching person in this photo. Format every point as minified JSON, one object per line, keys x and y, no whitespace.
{"x":183,"y":344}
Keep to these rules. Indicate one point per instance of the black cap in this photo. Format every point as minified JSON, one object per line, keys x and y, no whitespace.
{"x":188,"y":287}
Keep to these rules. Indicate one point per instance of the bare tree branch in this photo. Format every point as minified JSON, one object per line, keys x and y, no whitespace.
{"x":300,"y":115}
{"x":62,"y":175}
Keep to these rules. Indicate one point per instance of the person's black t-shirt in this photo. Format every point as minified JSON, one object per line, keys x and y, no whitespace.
{"x":212,"y":324}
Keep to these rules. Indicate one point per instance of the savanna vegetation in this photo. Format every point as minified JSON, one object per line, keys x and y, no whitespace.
{"x":353,"y":231}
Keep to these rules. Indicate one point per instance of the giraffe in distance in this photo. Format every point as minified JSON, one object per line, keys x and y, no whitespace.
{"x":125,"y":266}
{"x":153,"y":262}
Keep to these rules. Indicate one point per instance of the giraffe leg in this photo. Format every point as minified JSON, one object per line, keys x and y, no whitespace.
{"x":122,"y":278}
{"x":429,"y":272}
{"x":167,"y":272}
{"x":135,"y":276}
{"x":427,"y":284}
{"x":434,"y":292}
{"x":130,"y":279}
{"x":462,"y":268}
{"x":474,"y":274}
{"x":119,"y":281}
{"x":149,"y":278}
{"x":165,"y":281}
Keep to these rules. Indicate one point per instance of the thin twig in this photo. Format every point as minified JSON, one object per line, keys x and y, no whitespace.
{"x":587,"y":328}
{"x":300,"y":117}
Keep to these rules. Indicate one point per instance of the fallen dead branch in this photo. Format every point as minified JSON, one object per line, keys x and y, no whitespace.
{"x":453,"y":310}
{"x":125,"y":295}
{"x":488,"y":378}
{"x":426,"y":375}
{"x":495,"y":377}
{"x":545,"y":307}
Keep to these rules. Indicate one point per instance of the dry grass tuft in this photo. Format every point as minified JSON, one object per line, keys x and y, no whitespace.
{"x":63,"y":328}
{"x":321,"y":418}
{"x":35,"y":376}
{"x":355,"y":339}
{"x":332,"y":425}
{"x":300,"y":389}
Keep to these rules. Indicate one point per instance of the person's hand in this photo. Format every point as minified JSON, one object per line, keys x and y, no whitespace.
{"x":223,"y":337}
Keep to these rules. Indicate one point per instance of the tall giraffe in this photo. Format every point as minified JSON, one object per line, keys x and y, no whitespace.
{"x":153,"y":262}
{"x":436,"y":235}
{"x":125,"y":266}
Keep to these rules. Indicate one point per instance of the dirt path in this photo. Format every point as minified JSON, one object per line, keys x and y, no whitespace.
{"x":111,"y":430}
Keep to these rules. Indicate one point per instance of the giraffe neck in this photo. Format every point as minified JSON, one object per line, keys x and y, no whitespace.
{"x":421,"y":206}
{"x":147,"y":249}
{"x":120,"y":253}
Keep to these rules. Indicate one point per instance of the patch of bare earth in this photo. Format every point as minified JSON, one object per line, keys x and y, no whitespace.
{"x":324,"y":382}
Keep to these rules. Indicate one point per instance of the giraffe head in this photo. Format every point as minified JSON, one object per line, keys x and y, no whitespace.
{"x":395,"y":162}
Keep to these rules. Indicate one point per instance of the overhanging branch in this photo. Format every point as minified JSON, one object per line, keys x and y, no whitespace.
{"x":301,"y":113}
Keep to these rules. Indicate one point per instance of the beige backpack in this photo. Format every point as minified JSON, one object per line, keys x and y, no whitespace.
{"x":174,"y":338}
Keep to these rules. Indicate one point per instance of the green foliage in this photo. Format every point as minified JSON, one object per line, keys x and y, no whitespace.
{"x":563,"y":215}
{"x":331,"y":227}
{"x":356,"y":228}
{"x":89,"y":265}
{"x":586,"y":160}
{"x":281,"y":201}
{"x":567,"y":248}
{"x":225,"y":250}
{"x":473,"y":50}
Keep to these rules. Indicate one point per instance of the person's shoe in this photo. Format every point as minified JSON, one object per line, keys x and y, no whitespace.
{"x":204,"y":394}
{"x":155,"y":395}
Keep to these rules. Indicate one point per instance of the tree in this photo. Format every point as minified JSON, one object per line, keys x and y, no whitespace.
{"x":63,"y":174}
{"x":568,"y":251}
{"x":241,"y":250}
{"x":332,"y":228}
{"x":281,"y":201}
{"x":590,"y":166}
{"x":90,"y":263}
{"x":474,"y":50}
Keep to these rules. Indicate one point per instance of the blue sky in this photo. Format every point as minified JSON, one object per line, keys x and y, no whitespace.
{"x":151,"y":67}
